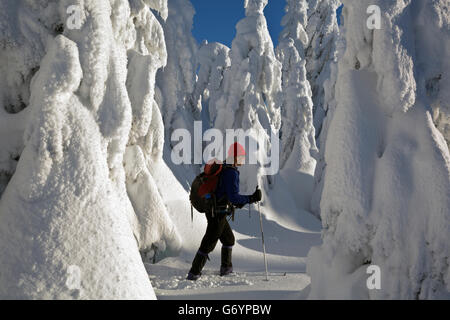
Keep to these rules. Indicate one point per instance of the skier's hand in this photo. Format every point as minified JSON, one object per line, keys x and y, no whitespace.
{"x":256,"y":196}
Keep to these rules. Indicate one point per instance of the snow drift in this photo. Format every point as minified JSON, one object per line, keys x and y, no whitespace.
{"x":386,"y":192}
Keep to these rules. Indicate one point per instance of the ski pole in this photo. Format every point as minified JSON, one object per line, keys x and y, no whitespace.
{"x":264,"y":246}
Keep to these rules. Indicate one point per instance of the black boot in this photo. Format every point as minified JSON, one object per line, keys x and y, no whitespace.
{"x":197,"y":266}
{"x":226,"y":266}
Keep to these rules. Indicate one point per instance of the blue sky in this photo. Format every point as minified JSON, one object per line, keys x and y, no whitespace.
{"x":215,"y":20}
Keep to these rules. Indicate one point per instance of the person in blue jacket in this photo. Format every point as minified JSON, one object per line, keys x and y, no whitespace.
{"x":227,"y":195}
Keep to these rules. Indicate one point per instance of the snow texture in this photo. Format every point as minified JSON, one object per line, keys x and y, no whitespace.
{"x":386,"y":189}
{"x":177,"y":79}
{"x":325,"y":47}
{"x":286,"y":249}
{"x":254,"y":79}
{"x":252,"y":90}
{"x":433,"y":28}
{"x":213,"y":61}
{"x":92,"y":207}
{"x":85,"y":131}
{"x":321,"y":56}
{"x":297,"y":130}
{"x":294,"y":22}
{"x":175,"y":84}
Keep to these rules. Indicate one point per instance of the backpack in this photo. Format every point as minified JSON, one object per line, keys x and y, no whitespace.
{"x":203,"y":188}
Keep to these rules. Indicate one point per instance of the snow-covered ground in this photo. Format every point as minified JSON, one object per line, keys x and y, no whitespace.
{"x":286,"y":250}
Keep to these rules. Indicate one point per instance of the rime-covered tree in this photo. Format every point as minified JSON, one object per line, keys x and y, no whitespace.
{"x":298,"y":144}
{"x":385,"y":199}
{"x":176,"y":81}
{"x":213,"y":62}
{"x":251,"y":98}
{"x":321,"y":54}
{"x":73,"y":216}
{"x":294,"y":22}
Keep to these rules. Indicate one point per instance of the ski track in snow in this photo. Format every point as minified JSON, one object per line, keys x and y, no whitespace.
{"x":286,"y":251}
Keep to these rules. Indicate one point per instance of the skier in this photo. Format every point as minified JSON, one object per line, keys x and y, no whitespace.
{"x":218,"y":228}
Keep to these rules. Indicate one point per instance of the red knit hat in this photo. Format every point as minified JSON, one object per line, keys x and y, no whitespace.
{"x":236,"y":150}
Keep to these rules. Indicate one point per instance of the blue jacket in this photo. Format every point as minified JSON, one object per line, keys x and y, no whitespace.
{"x":229,"y":186}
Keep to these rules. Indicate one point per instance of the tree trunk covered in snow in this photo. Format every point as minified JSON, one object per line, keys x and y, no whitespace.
{"x":386,"y":182}
{"x":81,"y":201}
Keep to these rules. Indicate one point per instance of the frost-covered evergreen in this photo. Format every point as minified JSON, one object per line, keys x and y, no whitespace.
{"x":155,"y":231}
{"x":251,"y":98}
{"x":436,"y":80}
{"x":175,"y":84}
{"x":321,"y":55}
{"x":88,"y":192}
{"x":324,"y":49}
{"x":294,"y":22}
{"x":386,"y":182}
{"x":213,"y":62}
{"x":253,"y":82}
{"x":176,"y":80}
{"x":298,"y":146}
{"x":82,"y":200}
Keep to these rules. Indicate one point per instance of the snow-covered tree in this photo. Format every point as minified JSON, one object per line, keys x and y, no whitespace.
{"x":294,"y":22}
{"x":298,"y":144}
{"x":441,"y":109}
{"x":251,"y":98}
{"x":325,"y":47}
{"x":176,"y":80}
{"x":81,"y":94}
{"x":254,"y":80}
{"x":321,"y":54}
{"x":213,"y":62}
{"x":175,"y":84}
{"x":436,"y":80}
{"x":154,"y":230}
{"x":386,"y":189}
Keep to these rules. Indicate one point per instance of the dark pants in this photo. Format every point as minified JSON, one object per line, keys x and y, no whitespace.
{"x":218,"y":229}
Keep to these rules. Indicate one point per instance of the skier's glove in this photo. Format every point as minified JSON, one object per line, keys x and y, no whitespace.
{"x":256,"y":196}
